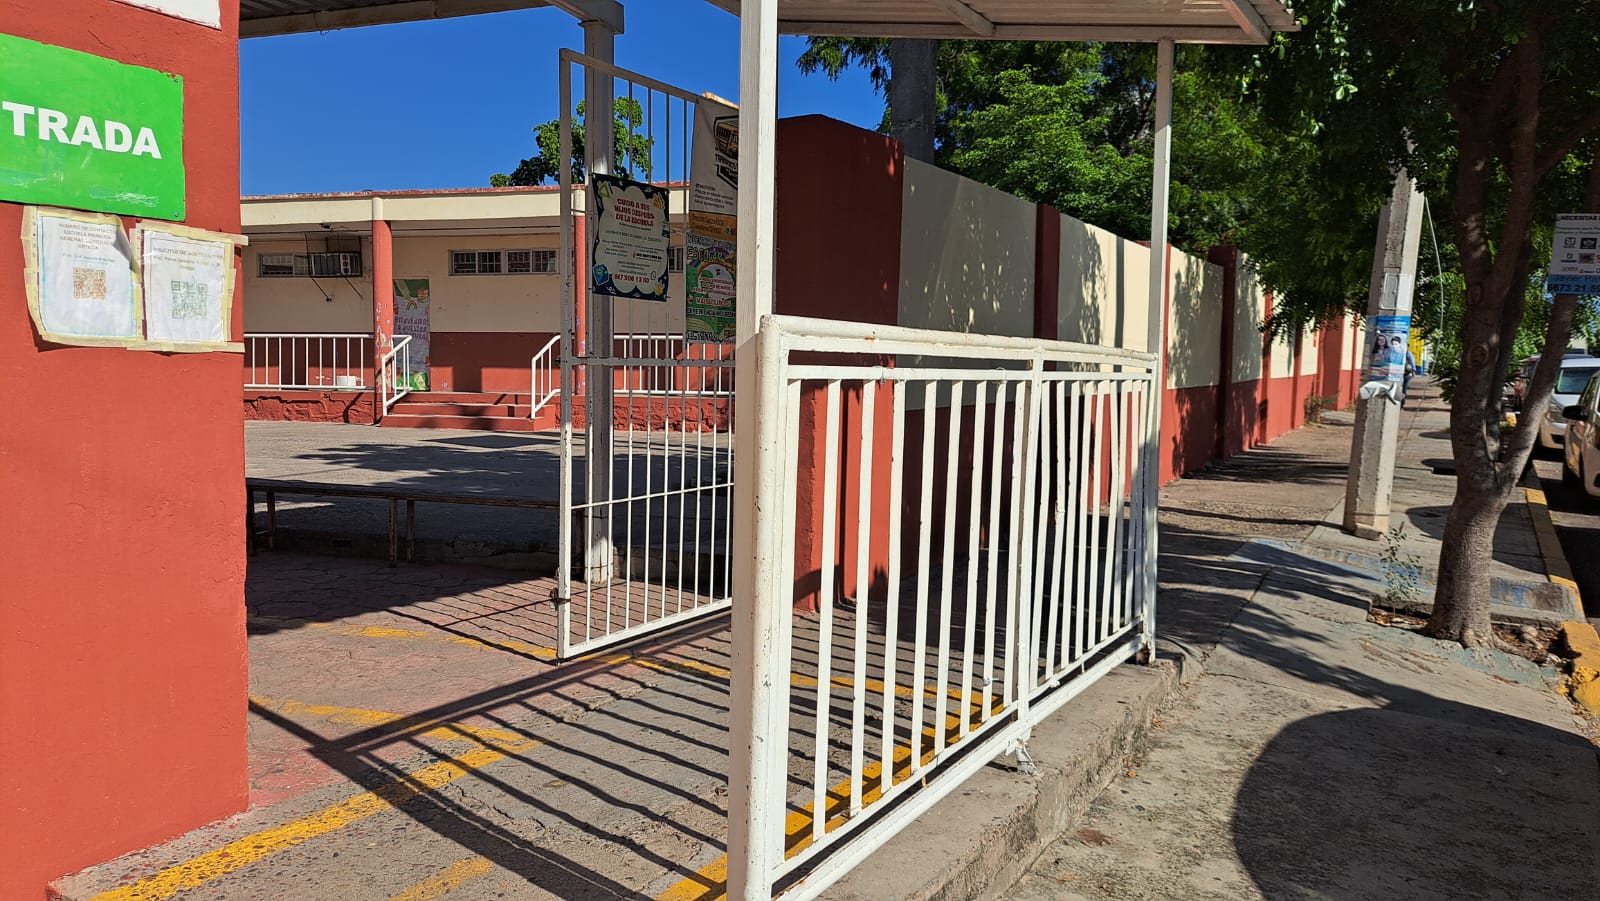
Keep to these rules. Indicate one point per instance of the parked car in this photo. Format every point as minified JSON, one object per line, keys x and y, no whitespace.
{"x":1581,"y":458}
{"x":1575,"y":374}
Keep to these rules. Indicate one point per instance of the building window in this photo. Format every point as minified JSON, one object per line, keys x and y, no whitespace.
{"x":502,"y":262}
{"x":675,"y":259}
{"x":316,"y":265}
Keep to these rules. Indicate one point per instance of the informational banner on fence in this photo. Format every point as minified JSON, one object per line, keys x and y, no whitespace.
{"x":632,"y":232}
{"x":80,"y":271}
{"x":713,"y":227}
{"x":1387,"y":337}
{"x":188,"y":287}
{"x":714,"y":159}
{"x":1575,"y":255}
{"x":412,"y":301}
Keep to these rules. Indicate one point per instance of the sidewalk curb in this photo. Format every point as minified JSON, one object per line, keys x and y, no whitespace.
{"x":981,"y":839}
{"x":1556,"y":567}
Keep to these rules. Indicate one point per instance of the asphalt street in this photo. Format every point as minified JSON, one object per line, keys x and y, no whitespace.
{"x":1577,"y":520}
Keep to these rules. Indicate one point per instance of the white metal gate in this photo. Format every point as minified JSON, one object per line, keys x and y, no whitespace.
{"x":646,"y":488}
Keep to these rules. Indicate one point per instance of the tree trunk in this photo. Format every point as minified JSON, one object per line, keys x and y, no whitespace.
{"x":912,"y":74}
{"x":1461,"y":600}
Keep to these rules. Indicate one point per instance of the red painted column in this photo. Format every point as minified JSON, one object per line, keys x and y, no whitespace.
{"x":1228,"y":259}
{"x":1047,"y":272}
{"x":382,"y":281}
{"x":122,"y":661}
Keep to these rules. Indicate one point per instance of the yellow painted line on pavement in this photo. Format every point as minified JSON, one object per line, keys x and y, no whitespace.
{"x":446,"y":881}
{"x":356,"y":716}
{"x":359,"y":630}
{"x":710,"y":883}
{"x":608,"y":659}
{"x":241,"y":853}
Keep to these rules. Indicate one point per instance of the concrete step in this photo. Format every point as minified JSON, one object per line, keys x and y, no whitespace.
{"x":497,"y":411}
{"x":400,"y":420}
{"x":467,"y":397}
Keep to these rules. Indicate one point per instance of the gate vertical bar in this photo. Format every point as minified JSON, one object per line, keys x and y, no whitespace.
{"x":569,"y":350}
{"x":1160,"y":183}
{"x":759,"y":710}
{"x":598,"y":42}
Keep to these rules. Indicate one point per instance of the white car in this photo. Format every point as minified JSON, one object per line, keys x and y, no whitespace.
{"x":1581,"y":462}
{"x":1575,"y":373}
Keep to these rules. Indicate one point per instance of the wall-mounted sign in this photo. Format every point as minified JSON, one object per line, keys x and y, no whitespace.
{"x":80,"y":274}
{"x":187,"y":281}
{"x":206,"y":12}
{"x":81,"y":131}
{"x":1575,"y":255}
{"x":629,"y":257}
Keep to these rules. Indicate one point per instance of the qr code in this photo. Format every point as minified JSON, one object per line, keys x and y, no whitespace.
{"x":88,"y":284}
{"x":188,"y":300}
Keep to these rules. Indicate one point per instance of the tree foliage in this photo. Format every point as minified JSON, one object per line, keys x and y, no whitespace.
{"x":1492,"y":106}
{"x":631,"y":153}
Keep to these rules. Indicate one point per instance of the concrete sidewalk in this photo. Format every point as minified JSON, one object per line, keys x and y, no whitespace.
{"x":1321,"y":755}
{"x":412,"y":737}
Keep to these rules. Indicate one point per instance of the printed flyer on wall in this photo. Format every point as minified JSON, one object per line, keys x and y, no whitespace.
{"x":81,"y":279}
{"x":412,"y":300}
{"x":188,"y":287}
{"x":629,"y":253}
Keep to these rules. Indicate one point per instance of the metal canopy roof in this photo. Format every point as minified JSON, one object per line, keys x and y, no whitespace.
{"x":1185,"y":21}
{"x":261,"y":18}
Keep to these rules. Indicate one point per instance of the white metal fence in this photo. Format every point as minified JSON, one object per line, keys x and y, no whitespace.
{"x":544,"y":377}
{"x":313,"y":361}
{"x":984,"y":555}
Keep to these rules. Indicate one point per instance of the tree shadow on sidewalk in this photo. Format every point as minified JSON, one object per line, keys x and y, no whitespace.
{"x":1420,"y":796}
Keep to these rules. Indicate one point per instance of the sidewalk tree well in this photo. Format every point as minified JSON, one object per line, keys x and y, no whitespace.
{"x":1493,"y":109}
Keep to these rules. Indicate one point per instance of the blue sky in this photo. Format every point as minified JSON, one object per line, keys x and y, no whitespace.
{"x":444,"y":104}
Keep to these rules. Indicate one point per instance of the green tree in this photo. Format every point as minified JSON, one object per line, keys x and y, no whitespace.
{"x":631,"y":156}
{"x":1493,"y":108}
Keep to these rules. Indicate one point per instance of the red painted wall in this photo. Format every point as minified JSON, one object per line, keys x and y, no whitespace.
{"x":122,"y":541}
{"x":831,"y":174}
{"x":311,"y":406}
{"x":483,"y":361}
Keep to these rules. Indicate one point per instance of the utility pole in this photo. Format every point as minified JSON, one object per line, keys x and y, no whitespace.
{"x":1394,"y":275}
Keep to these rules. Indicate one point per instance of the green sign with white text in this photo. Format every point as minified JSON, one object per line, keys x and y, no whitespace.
{"x":82,"y":131}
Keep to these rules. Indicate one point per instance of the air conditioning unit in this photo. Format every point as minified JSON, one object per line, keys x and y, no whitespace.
{"x":334,"y":265}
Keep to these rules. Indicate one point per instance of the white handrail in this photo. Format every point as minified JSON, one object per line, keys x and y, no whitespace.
{"x":544,"y":377}
{"x":316,"y":361}
{"x":394,"y":373}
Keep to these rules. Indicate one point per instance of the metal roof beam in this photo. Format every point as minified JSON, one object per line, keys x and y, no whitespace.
{"x":607,"y":12}
{"x":1249,"y":21}
{"x":969,"y":17}
{"x":1183,"y":34}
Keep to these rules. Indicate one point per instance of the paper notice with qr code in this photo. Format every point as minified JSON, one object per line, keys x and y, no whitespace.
{"x":85,"y":287}
{"x":186,"y":282}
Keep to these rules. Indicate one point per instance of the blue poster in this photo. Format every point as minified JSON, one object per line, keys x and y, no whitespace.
{"x":1387,"y":338}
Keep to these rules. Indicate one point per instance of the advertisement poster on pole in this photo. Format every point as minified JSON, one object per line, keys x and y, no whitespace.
{"x":628,"y":257}
{"x":412,"y":301}
{"x":1387,"y":337}
{"x":712,"y":236}
{"x":1575,"y":255}
{"x":81,"y":275}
